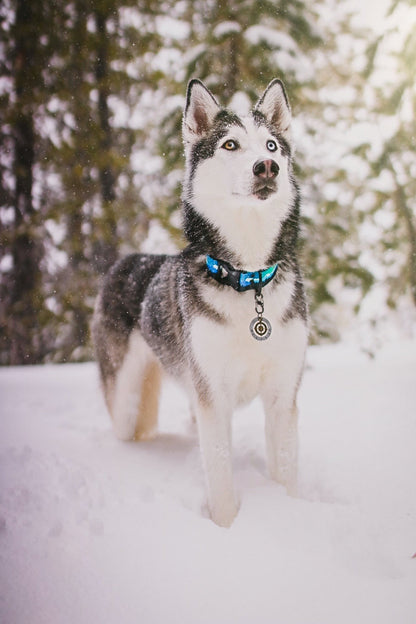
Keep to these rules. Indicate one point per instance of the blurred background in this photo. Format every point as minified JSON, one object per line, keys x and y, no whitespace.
{"x":91,"y":158}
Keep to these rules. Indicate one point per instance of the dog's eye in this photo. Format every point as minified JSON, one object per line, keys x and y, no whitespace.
{"x":271,"y":146}
{"x":230,"y":145}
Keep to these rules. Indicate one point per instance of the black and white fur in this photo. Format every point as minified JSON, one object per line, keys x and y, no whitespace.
{"x":159,"y":312}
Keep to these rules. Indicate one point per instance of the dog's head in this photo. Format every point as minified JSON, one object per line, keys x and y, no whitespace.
{"x":242,"y":160}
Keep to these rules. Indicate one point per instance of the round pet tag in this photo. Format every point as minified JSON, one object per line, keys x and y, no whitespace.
{"x":260,"y":328}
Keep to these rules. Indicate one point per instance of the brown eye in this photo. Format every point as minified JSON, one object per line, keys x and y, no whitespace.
{"x":230,"y":145}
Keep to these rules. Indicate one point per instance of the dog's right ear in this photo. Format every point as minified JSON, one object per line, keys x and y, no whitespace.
{"x":200,"y":111}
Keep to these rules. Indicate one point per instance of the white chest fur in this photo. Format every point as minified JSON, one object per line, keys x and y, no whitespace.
{"x":233,"y":362}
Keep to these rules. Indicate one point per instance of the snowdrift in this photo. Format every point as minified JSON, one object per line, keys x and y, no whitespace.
{"x":96,"y":530}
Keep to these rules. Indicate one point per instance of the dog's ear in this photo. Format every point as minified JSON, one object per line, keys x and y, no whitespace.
{"x":200,"y":111}
{"x":274,"y":105}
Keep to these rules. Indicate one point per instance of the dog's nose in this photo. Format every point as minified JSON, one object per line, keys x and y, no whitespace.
{"x":266,"y":169}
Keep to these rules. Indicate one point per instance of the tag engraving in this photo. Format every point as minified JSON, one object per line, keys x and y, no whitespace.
{"x":260,"y":328}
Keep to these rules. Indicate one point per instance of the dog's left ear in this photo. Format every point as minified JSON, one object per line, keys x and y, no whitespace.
{"x":200,"y":111}
{"x":274,"y":105}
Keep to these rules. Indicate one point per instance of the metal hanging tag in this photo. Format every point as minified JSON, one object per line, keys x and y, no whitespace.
{"x":260,"y":327}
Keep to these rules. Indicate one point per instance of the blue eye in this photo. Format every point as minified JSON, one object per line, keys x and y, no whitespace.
{"x":271,"y":145}
{"x":230,"y":145}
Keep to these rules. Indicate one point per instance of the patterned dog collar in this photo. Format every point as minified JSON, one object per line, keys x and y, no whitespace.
{"x":241,"y":281}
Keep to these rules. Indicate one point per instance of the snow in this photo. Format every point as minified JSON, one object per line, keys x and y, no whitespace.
{"x":277,"y":39}
{"x":224,"y":29}
{"x":93,"y":529}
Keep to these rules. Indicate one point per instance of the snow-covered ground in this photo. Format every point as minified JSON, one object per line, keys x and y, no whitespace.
{"x":96,"y":530}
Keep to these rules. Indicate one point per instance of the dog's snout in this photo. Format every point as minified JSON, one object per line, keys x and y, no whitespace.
{"x":266,"y":169}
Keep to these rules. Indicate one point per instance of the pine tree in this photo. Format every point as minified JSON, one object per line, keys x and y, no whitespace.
{"x":101,"y":208}
{"x":22,"y":310}
{"x":83,"y":202}
{"x":393,"y":206}
{"x":237,"y":48}
{"x":75,"y":184}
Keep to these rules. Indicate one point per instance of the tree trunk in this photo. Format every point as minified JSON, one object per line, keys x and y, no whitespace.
{"x":404,"y":210}
{"x":106,"y":249}
{"x":26,"y":251}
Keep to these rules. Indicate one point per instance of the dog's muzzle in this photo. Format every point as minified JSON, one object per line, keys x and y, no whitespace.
{"x":265,"y":174}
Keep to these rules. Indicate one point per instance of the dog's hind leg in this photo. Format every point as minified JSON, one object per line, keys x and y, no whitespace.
{"x":135,"y":397}
{"x":147,"y":415}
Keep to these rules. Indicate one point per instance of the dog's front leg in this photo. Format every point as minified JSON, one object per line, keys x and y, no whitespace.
{"x":279,"y":399}
{"x":282,"y":442}
{"x":214,"y":427}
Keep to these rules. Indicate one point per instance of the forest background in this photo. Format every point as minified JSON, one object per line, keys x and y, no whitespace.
{"x":91,"y":158}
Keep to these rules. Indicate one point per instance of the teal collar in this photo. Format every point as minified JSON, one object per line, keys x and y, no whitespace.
{"x":241,"y":281}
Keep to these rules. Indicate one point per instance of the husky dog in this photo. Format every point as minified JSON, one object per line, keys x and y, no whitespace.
{"x":227,"y":316}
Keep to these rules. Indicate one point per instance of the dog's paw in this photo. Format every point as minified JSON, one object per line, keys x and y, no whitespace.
{"x":292,"y":489}
{"x":224,"y":515}
{"x":286,"y":475}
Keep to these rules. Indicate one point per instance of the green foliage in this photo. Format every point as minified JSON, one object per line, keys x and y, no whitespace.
{"x":395,"y":107}
{"x":92,"y":150}
{"x":240,"y":46}
{"x":80,"y":191}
